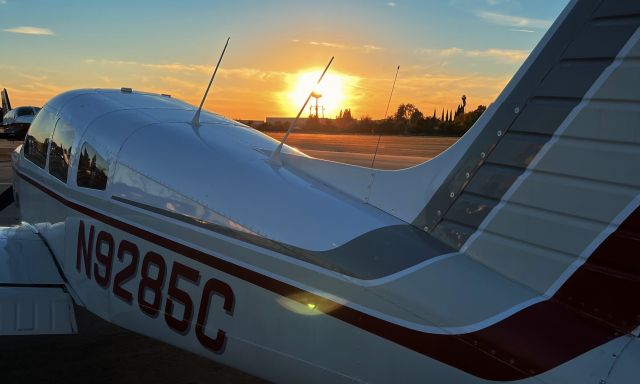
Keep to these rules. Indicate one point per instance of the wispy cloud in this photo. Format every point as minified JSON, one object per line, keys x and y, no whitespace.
{"x":370,"y":48}
{"x":25,"y":30}
{"x":508,"y":55}
{"x":367,"y":48}
{"x":441,"y":53}
{"x":503,"y":55}
{"x":522,"y":30}
{"x":181,"y":84}
{"x":513,"y":21}
{"x":179,"y":67}
{"x":33,"y":77}
{"x":392,"y":4}
{"x":110,"y":62}
{"x":164,"y":66}
{"x":327,"y":44}
{"x":34,"y":92}
{"x":3,"y":2}
{"x":253,"y":74}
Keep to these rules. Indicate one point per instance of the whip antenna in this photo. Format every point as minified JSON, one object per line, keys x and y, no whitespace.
{"x":275,"y":156}
{"x":386,"y":112}
{"x":196,"y":118}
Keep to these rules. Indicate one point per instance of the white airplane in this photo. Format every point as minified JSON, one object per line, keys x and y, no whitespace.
{"x":510,"y":257}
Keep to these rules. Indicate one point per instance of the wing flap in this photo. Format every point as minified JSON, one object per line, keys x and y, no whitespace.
{"x":36,"y":310}
{"x":33,"y":295}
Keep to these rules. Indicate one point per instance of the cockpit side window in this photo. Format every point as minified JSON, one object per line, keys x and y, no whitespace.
{"x":36,"y":143}
{"x":60,"y":151}
{"x":92,"y":169}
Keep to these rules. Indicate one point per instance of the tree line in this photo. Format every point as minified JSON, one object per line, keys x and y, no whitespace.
{"x":408,"y":120}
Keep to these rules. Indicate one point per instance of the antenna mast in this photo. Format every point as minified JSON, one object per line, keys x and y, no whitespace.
{"x":275,"y":156}
{"x":386,"y":112}
{"x":196,"y":118}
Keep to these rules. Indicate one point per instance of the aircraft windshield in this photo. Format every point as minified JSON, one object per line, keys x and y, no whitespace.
{"x":24,"y":111}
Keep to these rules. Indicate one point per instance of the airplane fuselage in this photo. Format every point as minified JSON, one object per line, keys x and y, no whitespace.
{"x":189,"y":235}
{"x":233,"y":279}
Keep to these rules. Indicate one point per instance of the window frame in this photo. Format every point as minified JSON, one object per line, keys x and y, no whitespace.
{"x":60,"y":122}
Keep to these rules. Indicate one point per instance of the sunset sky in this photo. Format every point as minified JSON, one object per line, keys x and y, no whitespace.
{"x":445,"y":48}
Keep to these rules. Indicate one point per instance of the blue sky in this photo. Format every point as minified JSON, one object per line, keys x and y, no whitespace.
{"x":445,"y":48}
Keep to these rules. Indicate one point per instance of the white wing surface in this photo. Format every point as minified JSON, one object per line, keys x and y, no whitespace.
{"x":33,"y":295}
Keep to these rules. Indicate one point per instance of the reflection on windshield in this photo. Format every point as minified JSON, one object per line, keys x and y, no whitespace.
{"x":37,"y":141}
{"x":92,"y":169}
{"x":60,"y":151}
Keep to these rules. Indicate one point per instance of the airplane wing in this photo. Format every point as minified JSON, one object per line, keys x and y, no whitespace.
{"x":33,"y":296}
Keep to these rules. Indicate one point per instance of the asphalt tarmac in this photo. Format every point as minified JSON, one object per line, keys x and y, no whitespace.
{"x":104,"y":353}
{"x":394,"y":152}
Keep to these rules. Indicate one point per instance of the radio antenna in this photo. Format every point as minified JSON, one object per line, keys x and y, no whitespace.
{"x":386,"y":112}
{"x":275,"y":156}
{"x":196,"y":118}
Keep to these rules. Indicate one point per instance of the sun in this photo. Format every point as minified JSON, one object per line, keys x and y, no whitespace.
{"x":333,"y":91}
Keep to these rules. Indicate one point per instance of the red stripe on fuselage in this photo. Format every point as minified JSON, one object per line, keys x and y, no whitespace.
{"x":598,"y":303}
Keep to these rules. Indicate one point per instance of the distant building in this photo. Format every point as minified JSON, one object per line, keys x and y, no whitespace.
{"x":251,"y":123}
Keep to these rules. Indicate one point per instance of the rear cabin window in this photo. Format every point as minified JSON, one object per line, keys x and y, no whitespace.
{"x":92,"y":169}
{"x":36,"y":143}
{"x":60,"y":151}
